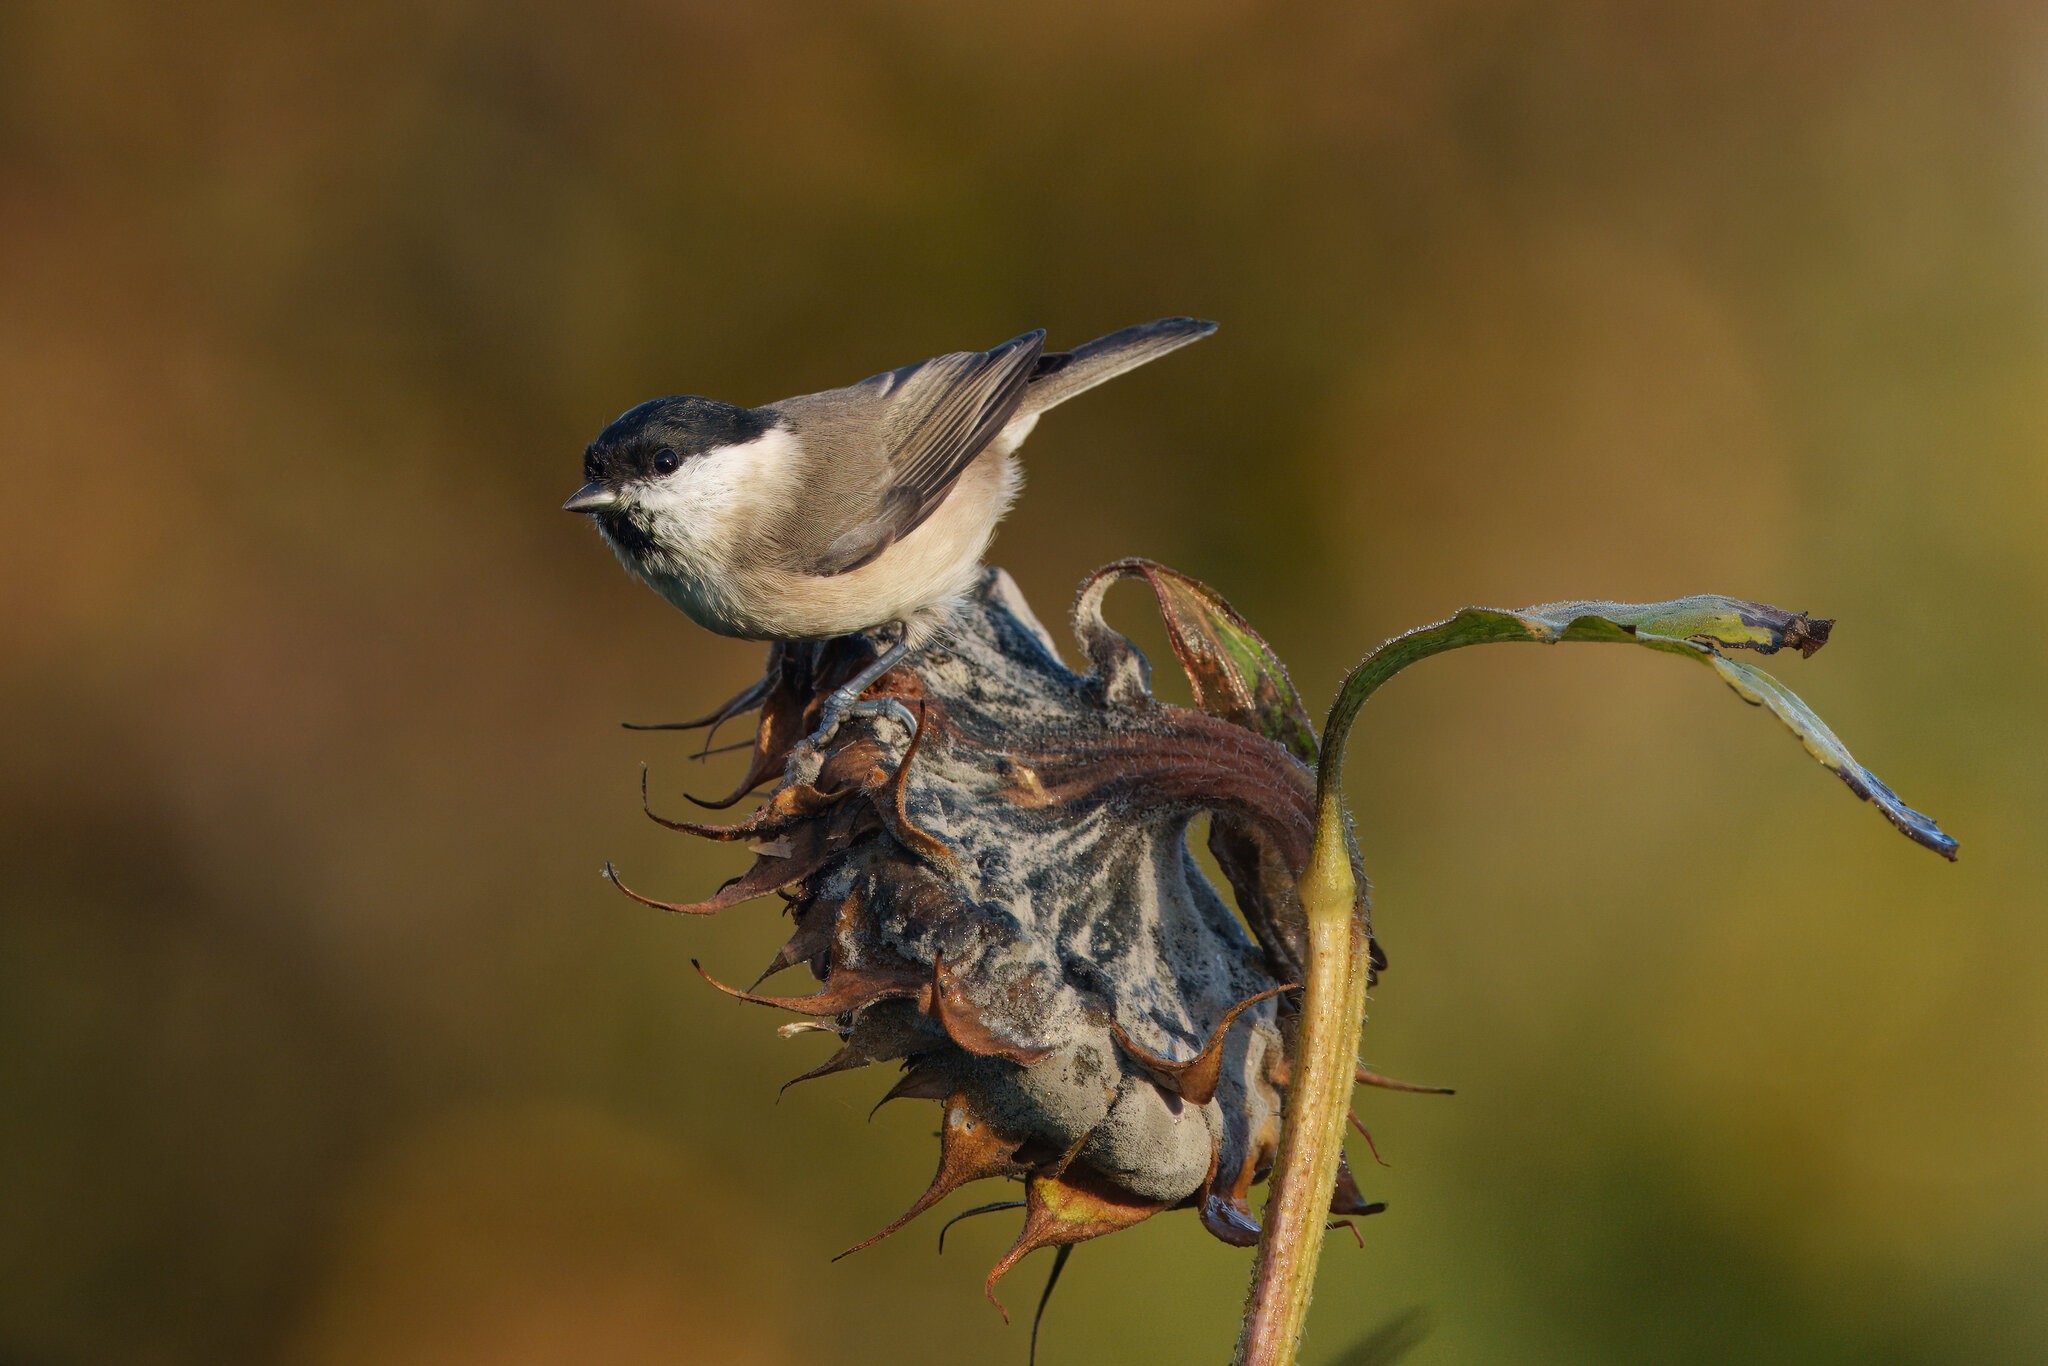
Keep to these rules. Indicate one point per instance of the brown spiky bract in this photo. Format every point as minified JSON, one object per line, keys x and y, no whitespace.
{"x":1004,"y":901}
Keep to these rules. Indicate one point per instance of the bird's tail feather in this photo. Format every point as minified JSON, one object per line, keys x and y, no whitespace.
{"x":1063,"y":374}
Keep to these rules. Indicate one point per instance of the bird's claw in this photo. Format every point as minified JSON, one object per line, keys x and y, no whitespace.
{"x":891,"y":707}
{"x":847,"y":701}
{"x":837,"y":710}
{"x":830,"y":719}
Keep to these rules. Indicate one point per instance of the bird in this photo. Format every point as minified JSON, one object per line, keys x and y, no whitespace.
{"x":861,"y":509}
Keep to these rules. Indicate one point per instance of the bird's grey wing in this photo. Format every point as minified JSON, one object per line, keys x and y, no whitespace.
{"x":932,"y":420}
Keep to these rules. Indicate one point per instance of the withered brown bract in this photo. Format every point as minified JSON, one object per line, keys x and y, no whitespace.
{"x":1006,"y":902}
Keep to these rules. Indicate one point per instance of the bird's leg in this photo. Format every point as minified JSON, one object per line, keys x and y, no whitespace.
{"x":846,"y":701}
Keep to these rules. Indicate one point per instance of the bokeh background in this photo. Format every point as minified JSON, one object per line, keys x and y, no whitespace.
{"x":322,"y":1042}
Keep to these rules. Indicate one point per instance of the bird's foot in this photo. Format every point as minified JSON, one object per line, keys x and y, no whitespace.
{"x":847,"y":701}
{"x":838,"y":712}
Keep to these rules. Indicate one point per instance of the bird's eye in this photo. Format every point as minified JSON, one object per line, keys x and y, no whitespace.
{"x":666,"y":461}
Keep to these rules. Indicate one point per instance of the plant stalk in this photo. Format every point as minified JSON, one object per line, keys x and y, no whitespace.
{"x":1318,"y":1105}
{"x":1703,"y":628}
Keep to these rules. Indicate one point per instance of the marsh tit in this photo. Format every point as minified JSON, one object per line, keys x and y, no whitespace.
{"x":842,"y":511}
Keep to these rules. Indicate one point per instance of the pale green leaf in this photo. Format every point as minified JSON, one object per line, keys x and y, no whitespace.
{"x":1704,"y":628}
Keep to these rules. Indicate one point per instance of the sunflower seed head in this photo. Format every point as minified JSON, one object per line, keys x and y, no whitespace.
{"x":1005,"y":901}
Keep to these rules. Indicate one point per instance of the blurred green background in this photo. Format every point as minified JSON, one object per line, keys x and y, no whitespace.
{"x":320,"y":1039}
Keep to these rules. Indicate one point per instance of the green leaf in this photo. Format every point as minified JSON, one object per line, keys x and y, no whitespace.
{"x":1335,"y":912}
{"x":1703,"y":628}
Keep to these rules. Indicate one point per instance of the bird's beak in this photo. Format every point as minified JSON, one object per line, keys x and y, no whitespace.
{"x":591,"y":498}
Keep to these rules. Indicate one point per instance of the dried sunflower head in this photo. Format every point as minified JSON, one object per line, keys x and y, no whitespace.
{"x":1002,"y":898}
{"x":990,"y":877}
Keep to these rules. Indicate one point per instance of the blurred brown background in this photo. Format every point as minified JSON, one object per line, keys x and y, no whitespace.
{"x":320,"y":1040}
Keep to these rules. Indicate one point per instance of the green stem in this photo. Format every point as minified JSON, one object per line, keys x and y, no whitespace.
{"x":1333,"y":1008}
{"x":1318,"y":1104}
{"x":1332,"y":1012}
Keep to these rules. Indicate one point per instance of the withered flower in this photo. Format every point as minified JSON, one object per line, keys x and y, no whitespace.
{"x":997,"y":890}
{"x":992,"y":883}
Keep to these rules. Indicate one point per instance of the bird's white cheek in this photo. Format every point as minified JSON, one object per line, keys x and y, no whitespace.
{"x":690,"y":517}
{"x":699,"y":511}
{"x":712,"y":507}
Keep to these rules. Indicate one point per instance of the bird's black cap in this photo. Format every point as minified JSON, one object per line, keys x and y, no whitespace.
{"x":685,"y":424}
